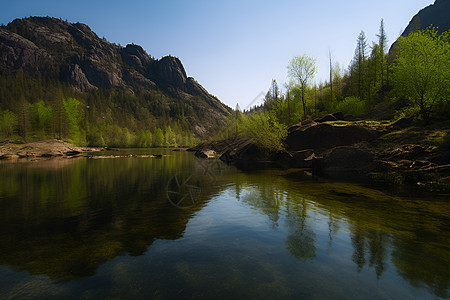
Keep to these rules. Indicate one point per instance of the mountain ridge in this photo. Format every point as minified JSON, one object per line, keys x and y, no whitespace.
{"x":74,"y":54}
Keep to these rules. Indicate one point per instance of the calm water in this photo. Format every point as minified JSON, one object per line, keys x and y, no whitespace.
{"x":178,"y":227}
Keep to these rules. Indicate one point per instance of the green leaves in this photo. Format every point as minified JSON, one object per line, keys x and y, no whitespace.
{"x":8,"y":124}
{"x":421,"y":71}
{"x":302,"y":68}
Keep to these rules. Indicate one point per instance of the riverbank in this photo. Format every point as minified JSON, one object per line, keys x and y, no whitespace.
{"x":396,"y":154}
{"x":41,"y":150}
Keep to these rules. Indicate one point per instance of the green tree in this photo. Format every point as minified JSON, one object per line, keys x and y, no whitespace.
{"x":24,"y":116}
{"x":382,"y":45}
{"x":421,"y":70}
{"x":158,"y":138}
{"x":42,"y":119}
{"x":269,"y":134}
{"x":8,"y":123}
{"x":359,"y":61}
{"x":302,"y":69}
{"x":169,"y":137}
{"x":74,"y":117}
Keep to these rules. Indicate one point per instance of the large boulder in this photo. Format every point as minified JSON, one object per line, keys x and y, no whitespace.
{"x":344,"y":161}
{"x":207,"y":154}
{"x":324,"y":136}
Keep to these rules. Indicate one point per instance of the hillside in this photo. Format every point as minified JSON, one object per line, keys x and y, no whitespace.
{"x":43,"y":58}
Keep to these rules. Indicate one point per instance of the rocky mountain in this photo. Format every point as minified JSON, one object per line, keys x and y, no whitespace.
{"x":436,"y":15}
{"x":73,"y":54}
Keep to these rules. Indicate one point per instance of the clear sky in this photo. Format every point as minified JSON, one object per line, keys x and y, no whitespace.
{"x":233,"y":48}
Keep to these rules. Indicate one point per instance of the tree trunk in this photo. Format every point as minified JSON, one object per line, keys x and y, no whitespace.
{"x":303,"y":101}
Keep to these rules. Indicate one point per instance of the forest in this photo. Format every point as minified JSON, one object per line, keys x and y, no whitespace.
{"x":47,"y":108}
{"x":410,"y":81}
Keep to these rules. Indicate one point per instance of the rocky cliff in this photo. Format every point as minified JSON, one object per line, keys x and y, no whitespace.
{"x":436,"y":15}
{"x":74,"y":54}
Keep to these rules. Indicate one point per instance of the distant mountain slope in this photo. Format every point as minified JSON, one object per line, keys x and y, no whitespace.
{"x":52,"y":49}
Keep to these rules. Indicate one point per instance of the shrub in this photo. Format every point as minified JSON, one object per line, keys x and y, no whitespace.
{"x":351,"y":105}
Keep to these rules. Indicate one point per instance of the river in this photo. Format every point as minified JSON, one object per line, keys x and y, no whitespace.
{"x":180,"y":227}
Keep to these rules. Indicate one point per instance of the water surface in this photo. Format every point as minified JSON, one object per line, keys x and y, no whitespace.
{"x":177,"y":226}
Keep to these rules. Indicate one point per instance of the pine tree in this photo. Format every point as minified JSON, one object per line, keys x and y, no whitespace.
{"x":360,"y":62}
{"x":382,"y":43}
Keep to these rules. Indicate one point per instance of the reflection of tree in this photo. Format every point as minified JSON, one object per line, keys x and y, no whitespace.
{"x":377,"y":249}
{"x":65,"y":222}
{"x":266,"y":198}
{"x":359,"y":250}
{"x":422,"y":260}
{"x":333,"y":228}
{"x":301,"y":239}
{"x":375,"y":243}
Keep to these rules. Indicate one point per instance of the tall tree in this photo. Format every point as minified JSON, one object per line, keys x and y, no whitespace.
{"x":421,"y":70}
{"x":23,"y":117}
{"x":382,"y":43}
{"x":360,"y":61}
{"x":302,"y":69}
{"x":331,"y":76}
{"x":288,"y":99}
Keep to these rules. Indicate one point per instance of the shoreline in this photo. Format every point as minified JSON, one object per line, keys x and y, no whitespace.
{"x":391,"y":154}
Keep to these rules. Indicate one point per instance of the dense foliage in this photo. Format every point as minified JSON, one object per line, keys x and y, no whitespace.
{"x":34,"y":108}
{"x":421,"y":71}
{"x":416,"y":71}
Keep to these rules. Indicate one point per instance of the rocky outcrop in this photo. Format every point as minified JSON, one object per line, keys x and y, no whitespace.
{"x":170,"y":71}
{"x":209,"y":154}
{"x":17,"y":52}
{"x":325,"y":136}
{"x":435,"y":15}
{"x":348,"y":161}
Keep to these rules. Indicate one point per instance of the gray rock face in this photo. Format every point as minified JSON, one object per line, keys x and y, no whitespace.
{"x":436,"y":15}
{"x":17,"y":52}
{"x":77,"y":78}
{"x":170,"y":71}
{"x":46,"y":45}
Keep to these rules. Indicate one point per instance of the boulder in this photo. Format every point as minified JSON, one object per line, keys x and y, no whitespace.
{"x":344,"y":161}
{"x":324,"y":136}
{"x":303,"y":158}
{"x":208,"y":154}
{"x":243,"y":155}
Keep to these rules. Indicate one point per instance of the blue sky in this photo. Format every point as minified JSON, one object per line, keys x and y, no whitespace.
{"x":233,"y":48}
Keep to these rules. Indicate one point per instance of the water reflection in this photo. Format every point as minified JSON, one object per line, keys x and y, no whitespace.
{"x":410,"y":234}
{"x":66,"y":218}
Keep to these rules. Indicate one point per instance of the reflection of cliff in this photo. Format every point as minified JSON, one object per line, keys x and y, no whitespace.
{"x":65,"y":222}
